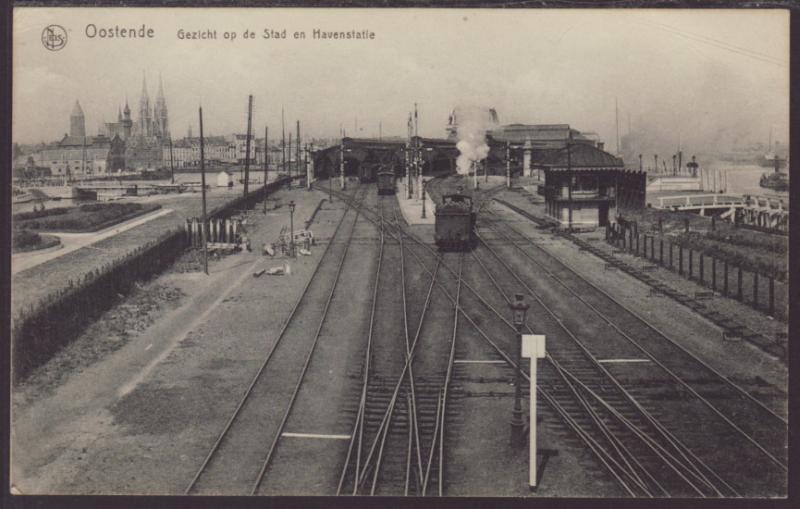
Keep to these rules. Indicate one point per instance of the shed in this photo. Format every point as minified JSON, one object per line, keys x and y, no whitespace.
{"x":584,"y":185}
{"x":224,"y":179}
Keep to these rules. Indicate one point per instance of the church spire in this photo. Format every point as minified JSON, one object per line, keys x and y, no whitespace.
{"x":144,"y":86}
{"x":160,"y":87}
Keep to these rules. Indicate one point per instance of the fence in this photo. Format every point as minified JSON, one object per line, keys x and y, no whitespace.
{"x":40,"y":331}
{"x":759,"y":291}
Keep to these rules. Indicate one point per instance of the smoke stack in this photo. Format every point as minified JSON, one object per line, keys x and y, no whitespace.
{"x":601,"y":145}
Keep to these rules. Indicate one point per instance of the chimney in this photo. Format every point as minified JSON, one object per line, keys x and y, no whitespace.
{"x":600,"y":145}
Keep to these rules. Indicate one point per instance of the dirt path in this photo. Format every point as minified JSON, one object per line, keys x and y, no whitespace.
{"x":72,"y":241}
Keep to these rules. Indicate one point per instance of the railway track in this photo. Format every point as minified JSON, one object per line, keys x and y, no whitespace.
{"x":632,"y":470}
{"x":684,"y":384}
{"x":238,"y":459}
{"x":581,"y":432}
{"x":397,"y":446}
{"x":774,"y":345}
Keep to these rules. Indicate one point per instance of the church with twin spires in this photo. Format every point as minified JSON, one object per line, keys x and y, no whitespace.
{"x":146,"y":135}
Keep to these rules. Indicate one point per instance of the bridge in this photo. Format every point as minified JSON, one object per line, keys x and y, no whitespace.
{"x":761,"y":211}
{"x":699,"y":203}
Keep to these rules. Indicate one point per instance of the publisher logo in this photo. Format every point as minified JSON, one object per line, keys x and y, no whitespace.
{"x":54,"y":37}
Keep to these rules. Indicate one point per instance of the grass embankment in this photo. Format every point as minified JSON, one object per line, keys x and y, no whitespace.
{"x":23,"y":241}
{"x":84,"y":218}
{"x":752,"y":250}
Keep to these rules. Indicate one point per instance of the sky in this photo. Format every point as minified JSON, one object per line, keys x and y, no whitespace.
{"x":699,"y":78}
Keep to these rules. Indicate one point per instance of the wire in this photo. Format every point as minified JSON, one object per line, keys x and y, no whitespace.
{"x":718,"y":44}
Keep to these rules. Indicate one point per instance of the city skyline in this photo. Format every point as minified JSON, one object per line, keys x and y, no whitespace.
{"x":531,"y":66}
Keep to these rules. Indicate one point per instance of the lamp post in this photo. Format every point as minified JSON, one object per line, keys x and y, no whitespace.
{"x":519,"y":309}
{"x":423,"y":198}
{"x":291,"y":227}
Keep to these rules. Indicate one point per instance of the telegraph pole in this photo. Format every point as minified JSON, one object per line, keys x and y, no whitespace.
{"x":508,"y":165}
{"x":171,"y":164}
{"x":341,"y":163}
{"x":266,"y":165}
{"x":289,"y":151}
{"x":297,"y":157}
{"x":616,"y":115}
{"x":417,"y":153}
{"x":247,"y":144}
{"x":569,"y":182}
{"x":409,"y":159}
{"x":309,"y":173}
{"x":203,"y":186}
{"x":283,"y":142}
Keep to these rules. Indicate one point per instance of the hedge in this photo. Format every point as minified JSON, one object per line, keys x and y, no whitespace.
{"x":40,"y":330}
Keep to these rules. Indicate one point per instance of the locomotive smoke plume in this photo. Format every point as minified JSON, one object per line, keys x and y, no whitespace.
{"x":473,"y":122}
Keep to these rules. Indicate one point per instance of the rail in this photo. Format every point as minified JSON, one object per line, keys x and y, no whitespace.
{"x":246,"y":395}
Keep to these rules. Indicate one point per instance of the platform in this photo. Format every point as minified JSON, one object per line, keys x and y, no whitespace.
{"x":412,"y":209}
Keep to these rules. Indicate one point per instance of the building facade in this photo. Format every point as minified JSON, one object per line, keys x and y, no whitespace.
{"x":584,"y":186}
{"x":77,"y":156}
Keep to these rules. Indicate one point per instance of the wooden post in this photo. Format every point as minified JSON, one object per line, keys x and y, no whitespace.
{"x":691,"y":268}
{"x":680,"y":259}
{"x":171,"y":164}
{"x":670,"y":254}
{"x":653,"y":247}
{"x":714,"y":273}
{"x":702,"y":268}
{"x":247,"y":145}
{"x":661,"y":251}
{"x":725,"y":276}
{"x":569,"y":182}
{"x":755,"y":290}
{"x":266,"y":165}
{"x":203,"y":186}
{"x":297,"y":150}
{"x":771,"y":296}
{"x":283,"y":141}
{"x":739,"y":284}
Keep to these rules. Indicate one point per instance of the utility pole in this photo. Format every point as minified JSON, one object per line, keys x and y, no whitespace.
{"x":289,"y":151}
{"x":297,"y":157}
{"x":569,"y":182}
{"x":409,"y":159}
{"x":417,"y":154}
{"x":171,"y":164}
{"x":203,"y":186}
{"x":309,"y":172}
{"x":508,"y":165}
{"x":283,"y":142}
{"x":616,"y":116}
{"x":341,"y":163}
{"x":83,"y":158}
{"x":266,"y":165}
{"x":380,"y":131}
{"x":247,"y":144}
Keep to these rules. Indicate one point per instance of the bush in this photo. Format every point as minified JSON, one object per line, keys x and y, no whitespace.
{"x":87,"y":217}
{"x":22,"y":239}
{"x":21,"y":216}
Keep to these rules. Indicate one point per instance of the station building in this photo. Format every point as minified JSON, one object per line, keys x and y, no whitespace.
{"x":361,"y":156}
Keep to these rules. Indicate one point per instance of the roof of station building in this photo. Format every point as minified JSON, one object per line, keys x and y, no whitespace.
{"x":580,"y":156}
